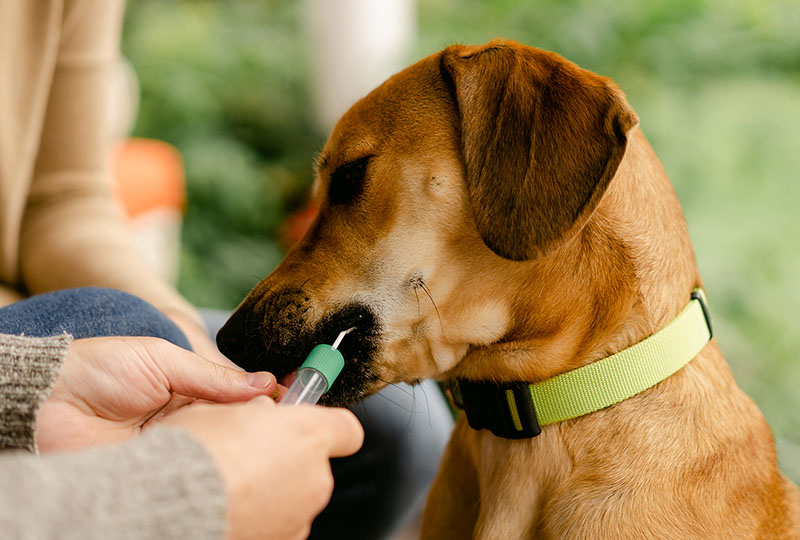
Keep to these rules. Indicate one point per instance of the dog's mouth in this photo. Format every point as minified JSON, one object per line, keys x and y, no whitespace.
{"x":359,"y":349}
{"x":288,"y":379}
{"x":275,"y":344}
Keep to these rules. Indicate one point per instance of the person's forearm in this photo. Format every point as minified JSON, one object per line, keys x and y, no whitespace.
{"x":73,"y":233}
{"x":28,"y":369}
{"x":162,"y":485}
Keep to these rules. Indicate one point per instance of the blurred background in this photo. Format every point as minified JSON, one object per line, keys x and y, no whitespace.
{"x":246,"y":91}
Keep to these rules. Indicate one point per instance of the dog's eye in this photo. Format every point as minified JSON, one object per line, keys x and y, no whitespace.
{"x":347,"y":181}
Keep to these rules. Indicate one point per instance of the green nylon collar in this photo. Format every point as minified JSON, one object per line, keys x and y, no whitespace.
{"x":589,"y":388}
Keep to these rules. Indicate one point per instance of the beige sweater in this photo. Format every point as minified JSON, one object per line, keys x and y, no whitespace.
{"x":60,"y":228}
{"x":163,"y":485}
{"x":59,"y":225}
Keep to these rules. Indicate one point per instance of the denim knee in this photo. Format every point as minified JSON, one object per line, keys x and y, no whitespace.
{"x":88,"y":312}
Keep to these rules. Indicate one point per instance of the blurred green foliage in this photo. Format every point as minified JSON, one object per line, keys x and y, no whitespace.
{"x":225,"y":83}
{"x":716,"y":85}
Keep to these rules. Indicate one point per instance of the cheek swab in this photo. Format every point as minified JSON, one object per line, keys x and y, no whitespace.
{"x":316,"y":375}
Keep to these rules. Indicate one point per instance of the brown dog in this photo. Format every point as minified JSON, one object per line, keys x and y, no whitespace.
{"x":494,"y":213}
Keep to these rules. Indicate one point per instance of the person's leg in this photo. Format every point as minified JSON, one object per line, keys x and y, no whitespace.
{"x":88,"y":312}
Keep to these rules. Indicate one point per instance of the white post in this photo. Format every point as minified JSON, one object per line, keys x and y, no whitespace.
{"x":355,"y":45}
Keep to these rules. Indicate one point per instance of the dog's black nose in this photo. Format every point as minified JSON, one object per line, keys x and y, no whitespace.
{"x":231,"y":339}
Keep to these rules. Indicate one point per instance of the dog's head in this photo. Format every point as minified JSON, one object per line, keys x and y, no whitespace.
{"x":441,"y":193}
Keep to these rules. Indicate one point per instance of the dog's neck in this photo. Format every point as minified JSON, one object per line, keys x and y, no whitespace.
{"x":518,"y":409}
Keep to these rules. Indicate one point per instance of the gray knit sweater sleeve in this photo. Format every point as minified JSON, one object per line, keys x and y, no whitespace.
{"x":28,"y":369}
{"x":162,"y":485}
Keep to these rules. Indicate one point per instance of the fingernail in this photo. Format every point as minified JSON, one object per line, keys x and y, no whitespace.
{"x":259,"y":379}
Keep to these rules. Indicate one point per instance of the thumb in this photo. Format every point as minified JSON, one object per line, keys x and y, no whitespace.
{"x":192,"y":375}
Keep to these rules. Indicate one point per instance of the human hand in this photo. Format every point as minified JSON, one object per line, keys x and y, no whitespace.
{"x":110,"y":387}
{"x":274,"y":461}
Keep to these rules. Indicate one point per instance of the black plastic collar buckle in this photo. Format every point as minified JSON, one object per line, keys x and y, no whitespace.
{"x":491,"y":406}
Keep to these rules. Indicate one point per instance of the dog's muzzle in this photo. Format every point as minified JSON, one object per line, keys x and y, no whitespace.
{"x":272,"y":333}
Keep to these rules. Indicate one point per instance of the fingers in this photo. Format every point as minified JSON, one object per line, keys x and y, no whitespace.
{"x":341,"y":429}
{"x":259,"y":445}
{"x":194,"y":376}
{"x":264,"y":400}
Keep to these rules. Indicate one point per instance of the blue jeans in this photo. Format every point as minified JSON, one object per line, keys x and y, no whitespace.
{"x":377,"y":491}
{"x":88,"y":312}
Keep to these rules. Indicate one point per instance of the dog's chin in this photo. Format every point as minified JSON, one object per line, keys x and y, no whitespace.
{"x":344,"y":395}
{"x":360,"y":349}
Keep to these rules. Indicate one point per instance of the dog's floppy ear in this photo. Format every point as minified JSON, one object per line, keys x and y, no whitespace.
{"x":541,"y":138}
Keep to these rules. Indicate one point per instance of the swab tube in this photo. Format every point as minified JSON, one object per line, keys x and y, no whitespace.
{"x":316,"y":375}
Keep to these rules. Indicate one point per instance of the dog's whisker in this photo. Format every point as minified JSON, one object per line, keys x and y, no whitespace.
{"x":363,"y":411}
{"x":427,"y":402}
{"x":393,"y":402}
{"x":396,"y":404}
{"x":413,"y":394}
{"x":427,"y":291}
{"x":396,"y":385}
{"x":410,"y":423}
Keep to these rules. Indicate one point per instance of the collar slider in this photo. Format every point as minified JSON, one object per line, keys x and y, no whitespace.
{"x":505,"y":409}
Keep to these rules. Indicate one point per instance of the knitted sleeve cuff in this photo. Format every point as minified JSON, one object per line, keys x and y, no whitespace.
{"x":28,"y":370}
{"x":163,"y":485}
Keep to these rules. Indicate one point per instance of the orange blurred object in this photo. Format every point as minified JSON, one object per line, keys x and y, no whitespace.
{"x":150,"y":185}
{"x":149,"y":174}
{"x":296,"y":225}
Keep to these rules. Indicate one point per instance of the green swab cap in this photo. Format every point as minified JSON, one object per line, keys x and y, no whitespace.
{"x":327,"y":360}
